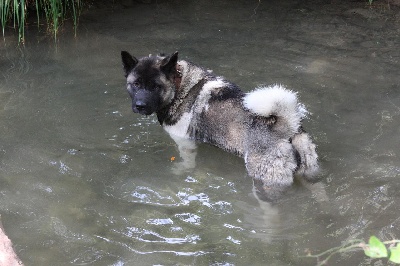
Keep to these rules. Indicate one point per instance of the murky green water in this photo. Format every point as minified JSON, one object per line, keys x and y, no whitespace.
{"x":84,"y":181}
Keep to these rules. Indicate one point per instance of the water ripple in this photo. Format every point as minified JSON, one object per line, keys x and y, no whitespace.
{"x":145,"y":235}
{"x":147,"y":195}
{"x":160,"y":221}
{"x":189,"y":218}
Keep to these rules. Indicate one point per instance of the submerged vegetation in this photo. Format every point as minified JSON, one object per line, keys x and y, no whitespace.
{"x":15,"y":12}
{"x":374,"y":249}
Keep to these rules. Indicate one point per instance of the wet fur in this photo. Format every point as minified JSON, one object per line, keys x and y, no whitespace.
{"x":263,"y":126}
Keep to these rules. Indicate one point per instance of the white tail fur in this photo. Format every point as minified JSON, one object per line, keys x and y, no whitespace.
{"x":278,"y":101}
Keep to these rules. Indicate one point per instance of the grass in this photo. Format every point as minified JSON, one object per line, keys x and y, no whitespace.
{"x":15,"y":12}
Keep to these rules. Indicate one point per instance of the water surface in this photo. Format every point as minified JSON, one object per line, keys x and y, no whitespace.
{"x":84,"y":181}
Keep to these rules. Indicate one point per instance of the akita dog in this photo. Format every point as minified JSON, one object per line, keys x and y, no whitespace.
{"x":194,"y":105}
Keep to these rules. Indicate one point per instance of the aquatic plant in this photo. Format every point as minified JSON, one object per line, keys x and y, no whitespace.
{"x":374,"y":249}
{"x":56,"y":11}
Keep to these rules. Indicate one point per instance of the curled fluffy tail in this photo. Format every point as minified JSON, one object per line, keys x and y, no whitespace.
{"x":280,"y":102}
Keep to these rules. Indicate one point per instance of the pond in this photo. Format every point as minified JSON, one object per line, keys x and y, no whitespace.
{"x":84,"y":181}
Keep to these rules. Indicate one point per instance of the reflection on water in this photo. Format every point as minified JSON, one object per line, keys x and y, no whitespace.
{"x":84,"y":181}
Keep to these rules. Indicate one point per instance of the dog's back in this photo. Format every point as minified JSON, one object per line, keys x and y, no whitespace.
{"x":263,"y":126}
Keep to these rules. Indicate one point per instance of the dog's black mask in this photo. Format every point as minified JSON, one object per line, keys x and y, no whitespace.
{"x":149,"y":81}
{"x":143,"y":102}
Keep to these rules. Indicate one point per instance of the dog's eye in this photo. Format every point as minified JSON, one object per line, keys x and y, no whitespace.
{"x":136,"y":84}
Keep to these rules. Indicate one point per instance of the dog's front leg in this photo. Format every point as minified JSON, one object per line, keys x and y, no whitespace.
{"x":187,"y":151}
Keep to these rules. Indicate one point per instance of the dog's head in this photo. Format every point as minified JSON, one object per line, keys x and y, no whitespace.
{"x":150,"y":81}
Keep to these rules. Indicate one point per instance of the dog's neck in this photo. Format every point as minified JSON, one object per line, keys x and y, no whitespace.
{"x":178,"y":77}
{"x":186,"y":76}
{"x":188,"y":81}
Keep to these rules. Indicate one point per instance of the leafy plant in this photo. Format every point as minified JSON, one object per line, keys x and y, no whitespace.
{"x":55,"y":12}
{"x":375,"y":248}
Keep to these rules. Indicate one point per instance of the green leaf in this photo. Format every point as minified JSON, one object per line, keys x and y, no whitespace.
{"x":395,"y":254}
{"x":375,"y":248}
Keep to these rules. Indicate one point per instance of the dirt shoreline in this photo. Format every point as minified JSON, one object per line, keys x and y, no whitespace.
{"x":8,"y":257}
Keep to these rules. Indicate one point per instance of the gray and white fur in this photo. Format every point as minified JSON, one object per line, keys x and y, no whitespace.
{"x":262,"y":126}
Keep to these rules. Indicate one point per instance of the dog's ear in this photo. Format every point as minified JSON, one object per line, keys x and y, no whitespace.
{"x":168,"y":64}
{"x":128,"y":61}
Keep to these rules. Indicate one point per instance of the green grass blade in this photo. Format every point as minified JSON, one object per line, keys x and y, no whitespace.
{"x":55,"y":12}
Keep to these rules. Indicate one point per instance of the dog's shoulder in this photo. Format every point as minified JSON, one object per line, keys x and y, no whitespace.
{"x":217,"y":88}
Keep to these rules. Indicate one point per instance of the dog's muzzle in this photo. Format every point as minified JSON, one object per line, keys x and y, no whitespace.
{"x":142,"y":103}
{"x":140,"y":106}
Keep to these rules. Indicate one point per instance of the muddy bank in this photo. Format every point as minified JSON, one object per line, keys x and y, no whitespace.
{"x":7,"y":253}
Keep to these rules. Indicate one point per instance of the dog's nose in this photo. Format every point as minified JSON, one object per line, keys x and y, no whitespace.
{"x":140,"y":106}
